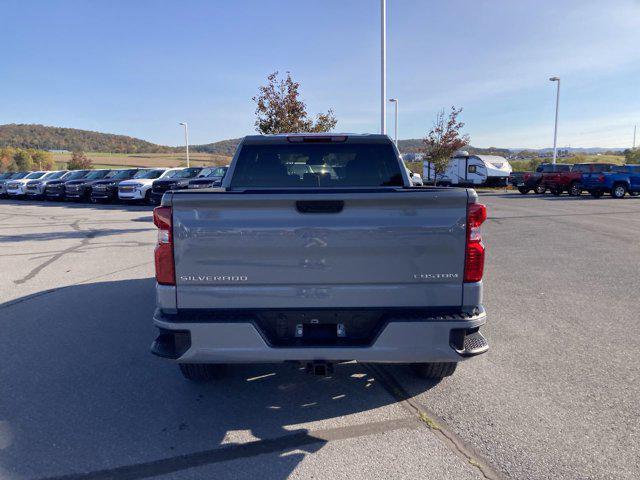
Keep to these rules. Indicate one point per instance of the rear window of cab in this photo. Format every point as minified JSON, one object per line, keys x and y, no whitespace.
{"x":306,"y":165}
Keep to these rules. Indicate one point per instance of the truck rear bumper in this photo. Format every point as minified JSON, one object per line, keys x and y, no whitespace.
{"x":412,"y":341}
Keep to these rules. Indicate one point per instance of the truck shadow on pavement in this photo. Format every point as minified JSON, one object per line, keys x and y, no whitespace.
{"x":82,"y":396}
{"x":70,"y":234}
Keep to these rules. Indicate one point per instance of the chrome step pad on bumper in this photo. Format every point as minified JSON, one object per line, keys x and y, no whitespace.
{"x":474,"y":344}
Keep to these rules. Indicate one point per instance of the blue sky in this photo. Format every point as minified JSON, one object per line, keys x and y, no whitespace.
{"x":140,"y":67}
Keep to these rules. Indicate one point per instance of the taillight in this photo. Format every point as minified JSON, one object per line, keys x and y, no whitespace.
{"x":474,"y":257}
{"x":165,"y":269}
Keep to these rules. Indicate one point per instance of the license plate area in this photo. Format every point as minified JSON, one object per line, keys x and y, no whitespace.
{"x":318,"y":333}
{"x":320,"y":328}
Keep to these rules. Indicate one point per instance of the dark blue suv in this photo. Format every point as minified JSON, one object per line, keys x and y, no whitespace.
{"x":619,"y":181}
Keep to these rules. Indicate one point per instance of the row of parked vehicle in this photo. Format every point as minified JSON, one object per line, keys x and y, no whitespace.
{"x":595,"y":178}
{"x":144,"y":185}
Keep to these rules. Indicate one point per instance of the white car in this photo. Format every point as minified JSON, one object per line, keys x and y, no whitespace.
{"x":18,"y":188}
{"x":35,"y":188}
{"x":139,"y":187}
{"x":416,"y":179}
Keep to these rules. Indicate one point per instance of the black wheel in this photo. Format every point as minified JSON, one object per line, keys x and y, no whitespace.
{"x":523,"y":190}
{"x":540,"y":189}
{"x":596,"y":193}
{"x":575,"y":190}
{"x":148,"y":199}
{"x":434,"y":371}
{"x":200,"y":372}
{"x":634,"y":194}
{"x":619,"y":190}
{"x":556,"y":191}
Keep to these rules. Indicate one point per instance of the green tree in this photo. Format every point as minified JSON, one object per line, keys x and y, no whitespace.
{"x":534,"y":163}
{"x":42,"y":160}
{"x":632,"y":155}
{"x":443,"y":140}
{"x":280,"y":110}
{"x":23,"y":160}
{"x":79,"y":161}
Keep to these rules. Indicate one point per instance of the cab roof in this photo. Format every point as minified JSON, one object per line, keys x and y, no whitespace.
{"x":330,"y":137}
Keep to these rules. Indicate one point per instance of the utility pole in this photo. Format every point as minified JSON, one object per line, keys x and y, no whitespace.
{"x":395,"y":131}
{"x":383,"y":67}
{"x":634,"y":137}
{"x":186,"y":139}
{"x":555,"y":129}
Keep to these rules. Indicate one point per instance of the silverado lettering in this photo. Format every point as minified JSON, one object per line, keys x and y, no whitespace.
{"x":214,"y":278}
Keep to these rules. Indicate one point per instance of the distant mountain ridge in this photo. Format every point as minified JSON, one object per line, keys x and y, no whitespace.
{"x":585,"y":150}
{"x":59,"y":138}
{"x":223,"y":147}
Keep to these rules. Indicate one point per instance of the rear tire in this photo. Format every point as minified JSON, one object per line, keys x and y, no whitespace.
{"x":523,"y":190}
{"x":200,"y":372}
{"x":575,"y":190}
{"x":556,"y":191}
{"x":619,"y":190}
{"x":540,"y":189}
{"x":434,"y":371}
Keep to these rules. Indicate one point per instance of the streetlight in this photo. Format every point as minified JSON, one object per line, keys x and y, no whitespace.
{"x":186,"y":139}
{"x":395,"y":102}
{"x":383,"y":67}
{"x":555,"y":130}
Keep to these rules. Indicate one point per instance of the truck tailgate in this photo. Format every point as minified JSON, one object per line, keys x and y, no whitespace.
{"x":262,"y":250}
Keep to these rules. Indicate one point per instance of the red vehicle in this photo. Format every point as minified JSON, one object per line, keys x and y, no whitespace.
{"x":527,"y":181}
{"x":568,"y":178}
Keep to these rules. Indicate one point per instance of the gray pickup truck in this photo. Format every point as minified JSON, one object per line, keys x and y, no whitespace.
{"x":317,"y":249}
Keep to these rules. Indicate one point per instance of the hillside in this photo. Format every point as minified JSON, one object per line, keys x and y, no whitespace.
{"x":228,"y":147}
{"x":412,"y":145}
{"x":223,"y":147}
{"x":57,"y":138}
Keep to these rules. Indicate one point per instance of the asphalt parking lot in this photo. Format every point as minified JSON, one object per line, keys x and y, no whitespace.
{"x":556,"y":397}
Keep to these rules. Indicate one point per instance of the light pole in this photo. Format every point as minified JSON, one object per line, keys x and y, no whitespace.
{"x":395,"y":131}
{"x":555,"y":129}
{"x":634,"y":137}
{"x":186,"y":139}
{"x":383,"y":67}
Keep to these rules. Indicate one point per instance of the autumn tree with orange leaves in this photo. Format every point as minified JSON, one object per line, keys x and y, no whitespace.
{"x":280,"y":110}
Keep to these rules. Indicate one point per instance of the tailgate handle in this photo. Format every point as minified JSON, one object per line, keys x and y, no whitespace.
{"x":319,"y":206}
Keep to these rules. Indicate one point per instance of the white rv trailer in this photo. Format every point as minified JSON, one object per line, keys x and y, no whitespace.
{"x":465,"y":169}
